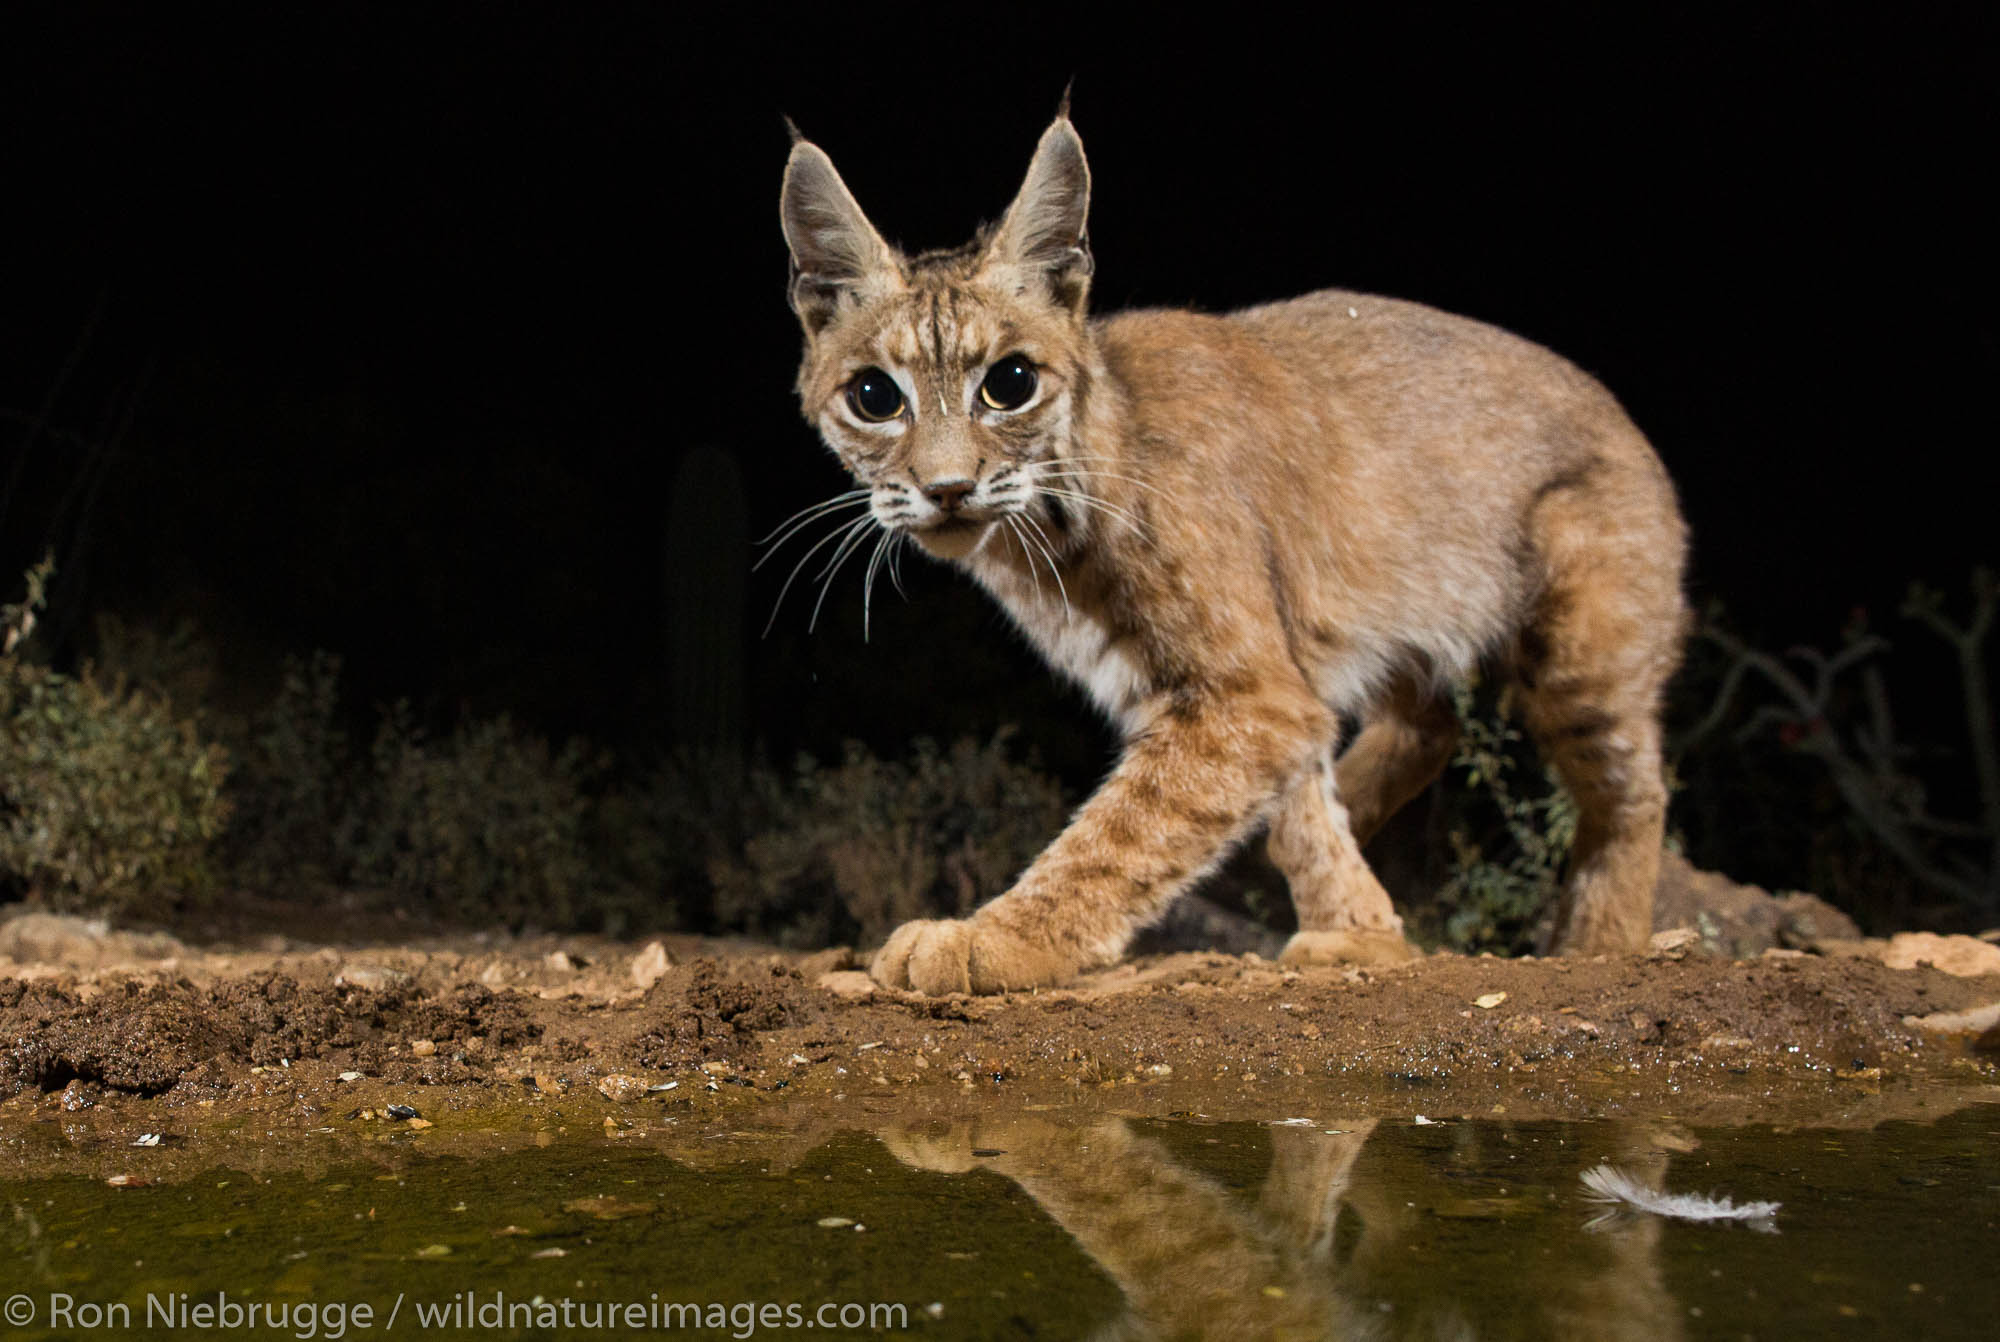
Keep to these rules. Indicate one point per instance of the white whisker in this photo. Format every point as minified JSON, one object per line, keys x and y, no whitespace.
{"x":1021,"y":539}
{"x":896,"y":563}
{"x":882,"y":546}
{"x":815,"y":508}
{"x":856,"y":533}
{"x":1048,"y":553}
{"x":1108,"y":509}
{"x":804,"y":559}
{"x":852,"y":499}
{"x":1089,"y":473}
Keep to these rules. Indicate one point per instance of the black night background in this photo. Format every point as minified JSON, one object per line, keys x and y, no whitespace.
{"x":452,"y":338}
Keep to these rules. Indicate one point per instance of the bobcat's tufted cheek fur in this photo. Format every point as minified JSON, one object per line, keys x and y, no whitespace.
{"x":1232,"y":531}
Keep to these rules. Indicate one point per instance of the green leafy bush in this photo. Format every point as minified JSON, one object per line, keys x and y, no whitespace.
{"x":1509,"y":839}
{"x":882,"y":841}
{"x":108,"y":799}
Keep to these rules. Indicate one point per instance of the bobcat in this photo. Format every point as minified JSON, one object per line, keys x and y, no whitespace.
{"x":1233,"y":532}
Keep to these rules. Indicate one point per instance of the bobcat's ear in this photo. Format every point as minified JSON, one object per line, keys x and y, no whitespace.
{"x":837,"y":256}
{"x":1045,"y":230}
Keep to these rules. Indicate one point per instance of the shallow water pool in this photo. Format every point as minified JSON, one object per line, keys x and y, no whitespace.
{"x":1036,"y":1224}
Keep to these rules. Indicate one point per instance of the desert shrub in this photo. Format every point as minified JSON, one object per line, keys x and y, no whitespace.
{"x":176,"y":664}
{"x":1511,"y":828}
{"x":294,"y":789}
{"x":664,"y":834}
{"x":874,"y":842}
{"x":108,"y":799}
{"x":488,"y":824}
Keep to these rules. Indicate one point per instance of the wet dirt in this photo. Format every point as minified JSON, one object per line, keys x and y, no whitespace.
{"x":108,"y":1039}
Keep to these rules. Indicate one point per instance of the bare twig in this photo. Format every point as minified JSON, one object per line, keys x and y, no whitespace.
{"x":1870,"y":778}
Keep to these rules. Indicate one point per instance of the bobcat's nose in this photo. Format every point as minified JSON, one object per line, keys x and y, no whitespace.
{"x":949,"y":495}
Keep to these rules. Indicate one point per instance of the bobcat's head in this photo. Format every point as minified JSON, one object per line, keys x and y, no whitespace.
{"x":948,"y":382}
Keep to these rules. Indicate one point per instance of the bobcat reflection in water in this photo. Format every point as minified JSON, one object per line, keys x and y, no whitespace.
{"x":1327,"y":1234}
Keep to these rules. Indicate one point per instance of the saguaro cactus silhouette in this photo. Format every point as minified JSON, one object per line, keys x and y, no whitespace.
{"x":706,"y":559}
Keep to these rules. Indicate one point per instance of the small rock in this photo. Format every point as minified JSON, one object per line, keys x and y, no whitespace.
{"x":1960,"y":955}
{"x":550,"y":1253}
{"x":401,"y":1112}
{"x":375,"y":978}
{"x":649,"y":965}
{"x":423,"y":1048}
{"x":348,"y":1076}
{"x":835,"y":1222}
{"x":1674,"y":943}
{"x":848,"y":985}
{"x":560,"y":962}
{"x":1487,"y":1001}
{"x":832,"y":960}
{"x":608,"y":1208}
{"x":621,"y":1088}
{"x":1978,"y":1020}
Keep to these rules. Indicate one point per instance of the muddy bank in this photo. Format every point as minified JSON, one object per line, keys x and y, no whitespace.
{"x":694,"y":1035}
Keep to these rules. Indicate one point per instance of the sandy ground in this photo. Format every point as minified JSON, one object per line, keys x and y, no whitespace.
{"x":106,"y":1035}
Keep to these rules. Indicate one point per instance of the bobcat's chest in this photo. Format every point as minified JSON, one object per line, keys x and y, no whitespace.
{"x":1074,"y":642}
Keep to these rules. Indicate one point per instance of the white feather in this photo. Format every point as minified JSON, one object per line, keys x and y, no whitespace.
{"x":1611,"y":1185}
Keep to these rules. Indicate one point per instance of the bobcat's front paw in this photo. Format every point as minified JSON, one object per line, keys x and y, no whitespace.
{"x":1350,"y":946}
{"x":969,"y":956}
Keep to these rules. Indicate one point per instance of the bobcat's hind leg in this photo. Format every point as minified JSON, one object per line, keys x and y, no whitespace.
{"x":1345,"y":916}
{"x":1316,"y":834}
{"x":1399,"y":753}
{"x":1595,"y":663}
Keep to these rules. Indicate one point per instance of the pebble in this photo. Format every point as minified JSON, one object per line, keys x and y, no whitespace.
{"x":621,"y":1088}
{"x":649,"y":965}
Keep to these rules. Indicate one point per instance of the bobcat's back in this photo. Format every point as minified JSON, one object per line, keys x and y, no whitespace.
{"x":1380,"y":466}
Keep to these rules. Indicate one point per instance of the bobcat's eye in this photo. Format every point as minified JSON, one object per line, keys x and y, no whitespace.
{"x":874,"y":396}
{"x":1009,"y":383}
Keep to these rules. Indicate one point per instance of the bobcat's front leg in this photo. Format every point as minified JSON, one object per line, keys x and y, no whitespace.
{"x":1203,"y":769}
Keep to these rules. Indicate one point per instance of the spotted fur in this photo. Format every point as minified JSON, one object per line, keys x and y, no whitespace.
{"x":1232,"y":531}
